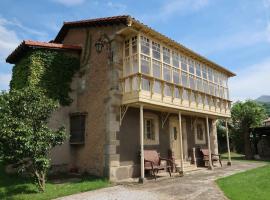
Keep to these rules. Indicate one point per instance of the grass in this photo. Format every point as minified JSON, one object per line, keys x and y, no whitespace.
{"x":18,"y":188}
{"x":240,"y":157}
{"x":250,"y":185}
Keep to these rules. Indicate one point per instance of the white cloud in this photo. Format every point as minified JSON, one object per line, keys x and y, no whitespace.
{"x":4,"y":81}
{"x":8,"y":39}
{"x":251,"y":82}
{"x":118,"y":6}
{"x":69,"y":2}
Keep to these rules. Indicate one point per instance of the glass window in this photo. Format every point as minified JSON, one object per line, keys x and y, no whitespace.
{"x":156,"y":50}
{"x":184,"y":78}
{"x":175,"y":59}
{"x":157,"y":87}
{"x":135,"y":83}
{"x":166,"y":55}
{"x":199,"y":84}
{"x":216,"y":91}
{"x":206,"y":100}
{"x":77,"y":128}
{"x":167,"y":73}
{"x":185,"y":95}
{"x":200,"y":132}
{"x":145,"y":64}
{"x":176,"y":76}
{"x":176,"y":93}
{"x":198,"y":70}
{"x":215,"y":73}
{"x":192,"y":82}
{"x":126,"y":48}
{"x":210,"y":74}
{"x":135,"y":64}
{"x":145,"y":45}
{"x":149,"y":128}
{"x":156,"y":69}
{"x":167,"y":90}
{"x":200,"y":100}
{"x":183,"y":63}
{"x":145,"y":84}
{"x":204,"y":72}
{"x":211,"y":88}
{"x":205,"y":87}
{"x":134,"y":44}
{"x":192,"y":97}
{"x":191,"y":67}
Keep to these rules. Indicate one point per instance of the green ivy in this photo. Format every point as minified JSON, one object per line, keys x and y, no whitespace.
{"x":46,"y":69}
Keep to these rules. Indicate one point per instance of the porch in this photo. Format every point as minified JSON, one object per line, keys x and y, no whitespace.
{"x":149,"y":127}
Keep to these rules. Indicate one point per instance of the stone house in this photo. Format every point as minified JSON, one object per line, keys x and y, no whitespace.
{"x":136,"y":89}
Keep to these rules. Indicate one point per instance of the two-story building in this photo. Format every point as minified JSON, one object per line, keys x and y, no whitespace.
{"x":137,"y":89}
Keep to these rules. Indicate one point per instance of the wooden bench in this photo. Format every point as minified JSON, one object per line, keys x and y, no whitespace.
{"x":152,"y":162}
{"x":214,"y":157}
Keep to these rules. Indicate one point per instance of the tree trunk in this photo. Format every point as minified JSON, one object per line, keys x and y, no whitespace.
{"x":248,"y":151}
{"x":41,"y":180}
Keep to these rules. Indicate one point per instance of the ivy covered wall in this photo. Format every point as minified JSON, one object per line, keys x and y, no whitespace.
{"x":48,"y":69}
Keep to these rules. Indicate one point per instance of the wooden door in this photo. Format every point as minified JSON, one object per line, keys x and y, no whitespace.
{"x":174,"y":138}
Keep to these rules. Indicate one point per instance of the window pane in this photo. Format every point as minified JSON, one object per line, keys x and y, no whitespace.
{"x":198,"y":70}
{"x":204,"y":72}
{"x":192,"y":97}
{"x":184,"y":79}
{"x":185,"y":95}
{"x":210,"y":74}
{"x":166,"y":55}
{"x":127,"y":70}
{"x":145,"y":84}
{"x":175,"y":59}
{"x":77,"y":128}
{"x":134,"y":44}
{"x":145,"y":64}
{"x":183,"y":63}
{"x":176,"y":76}
{"x":191,"y":67}
{"x":126,"y":48}
{"x":205,"y":87}
{"x":135,"y":64}
{"x":156,"y":69}
{"x":176,"y":93}
{"x":156,"y":50}
{"x":200,"y":100}
{"x":199,"y":84}
{"x":135,"y":83}
{"x":167,"y":73}
{"x":192,"y":82}
{"x":167,"y":90}
{"x":157,"y":87}
{"x":145,"y":45}
{"x":127,"y":85}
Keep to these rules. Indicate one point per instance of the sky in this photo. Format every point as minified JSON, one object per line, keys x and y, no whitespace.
{"x":232,"y":33}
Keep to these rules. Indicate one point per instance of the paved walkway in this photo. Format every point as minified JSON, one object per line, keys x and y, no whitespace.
{"x":195,"y":185}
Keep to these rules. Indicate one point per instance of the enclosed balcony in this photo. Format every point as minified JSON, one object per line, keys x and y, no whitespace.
{"x":156,"y":74}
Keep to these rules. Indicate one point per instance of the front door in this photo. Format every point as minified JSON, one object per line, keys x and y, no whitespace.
{"x":174,"y":138}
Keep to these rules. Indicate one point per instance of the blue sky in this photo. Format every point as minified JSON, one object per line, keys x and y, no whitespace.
{"x":233,"y":33}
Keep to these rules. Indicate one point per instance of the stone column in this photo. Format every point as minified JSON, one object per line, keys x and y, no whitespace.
{"x":210,"y":166}
{"x":181,"y":143}
{"x":228,"y":145}
{"x":141,"y":144}
{"x":213,"y":137}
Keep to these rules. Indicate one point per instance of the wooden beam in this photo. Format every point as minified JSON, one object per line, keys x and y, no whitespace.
{"x":142,"y":144}
{"x":181,"y":143}
{"x":228,"y":144}
{"x":210,"y":166}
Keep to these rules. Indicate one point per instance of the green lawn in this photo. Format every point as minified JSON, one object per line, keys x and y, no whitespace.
{"x":250,"y":185}
{"x":18,"y":188}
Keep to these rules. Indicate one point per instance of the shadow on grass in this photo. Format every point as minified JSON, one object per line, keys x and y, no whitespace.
{"x":243,"y":158}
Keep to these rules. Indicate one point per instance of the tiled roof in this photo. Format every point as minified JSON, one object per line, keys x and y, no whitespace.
{"x":26,"y":44}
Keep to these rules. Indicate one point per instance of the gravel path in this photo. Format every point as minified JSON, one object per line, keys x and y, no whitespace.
{"x":194,"y":185}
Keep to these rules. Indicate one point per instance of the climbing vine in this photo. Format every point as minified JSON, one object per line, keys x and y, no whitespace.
{"x":49,"y":70}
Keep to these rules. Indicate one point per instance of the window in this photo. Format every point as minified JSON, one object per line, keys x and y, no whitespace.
{"x":191,"y":67}
{"x":166,"y":55}
{"x":126,"y":48}
{"x":151,"y":129}
{"x":192,"y":82}
{"x":167,"y":90}
{"x":157,"y":87}
{"x":145,"y":64}
{"x":127,"y":85}
{"x":145,"y":45}
{"x":198,"y":70}
{"x":200,"y":133}
{"x":192,"y":97}
{"x":176,"y":76}
{"x":183,"y":63}
{"x":176,"y":93}
{"x":145,"y":84}
{"x":77,"y":128}
{"x":184,"y":79}
{"x":167,"y":73}
{"x":135,"y":64}
{"x":205,"y":87}
{"x":204,"y":72}
{"x":135,"y":83}
{"x":185,"y":95}
{"x":127,"y":67}
{"x":134,"y":44}
{"x":175,"y":59}
{"x":156,"y":50}
{"x":156,"y":69}
{"x":199,"y":84}
{"x":200,"y":99}
{"x":210,"y":74}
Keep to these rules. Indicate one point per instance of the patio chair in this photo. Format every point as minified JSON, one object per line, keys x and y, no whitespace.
{"x":152,"y":162}
{"x":215,"y":157}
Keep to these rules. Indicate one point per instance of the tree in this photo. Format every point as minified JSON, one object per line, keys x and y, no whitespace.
{"x":24,"y":133}
{"x":246,"y":115}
